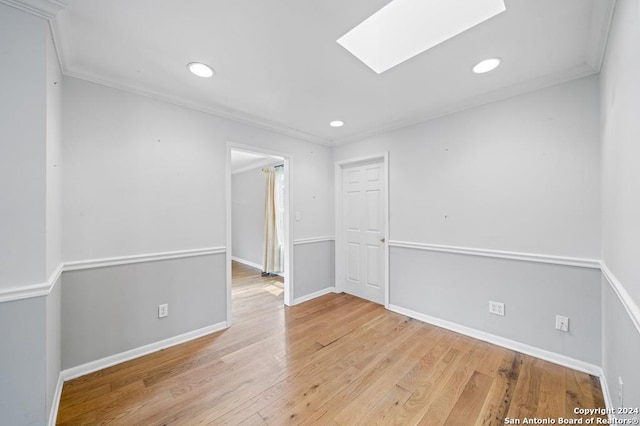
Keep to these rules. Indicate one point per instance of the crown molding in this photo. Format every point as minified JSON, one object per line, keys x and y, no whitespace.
{"x":54,"y":12}
{"x":46,"y":9}
{"x":218,"y":110}
{"x":543,"y":82}
{"x":601,"y":19}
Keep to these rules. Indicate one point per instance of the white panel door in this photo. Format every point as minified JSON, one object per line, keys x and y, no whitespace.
{"x":363,"y":220}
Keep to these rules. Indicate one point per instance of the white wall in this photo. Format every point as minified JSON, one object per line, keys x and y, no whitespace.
{"x":53,"y":163}
{"x":22,"y":149}
{"x":620,"y":107}
{"x":247,"y":198}
{"x":140,"y":176}
{"x":620,"y":113}
{"x":519,"y":175}
{"x":143,"y":176}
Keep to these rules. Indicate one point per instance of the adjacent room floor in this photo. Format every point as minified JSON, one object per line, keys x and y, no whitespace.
{"x":333,"y":360}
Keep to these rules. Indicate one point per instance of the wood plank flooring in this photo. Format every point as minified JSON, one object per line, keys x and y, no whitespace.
{"x":336,"y":360}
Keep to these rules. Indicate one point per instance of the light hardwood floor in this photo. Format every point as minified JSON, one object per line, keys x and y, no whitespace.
{"x":336,"y":360}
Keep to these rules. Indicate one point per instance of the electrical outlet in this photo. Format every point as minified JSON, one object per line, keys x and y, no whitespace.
{"x":496,"y":308}
{"x":620,"y":395}
{"x":562,"y":323}
{"x":163,"y":310}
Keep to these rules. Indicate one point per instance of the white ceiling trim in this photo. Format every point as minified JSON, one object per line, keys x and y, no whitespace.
{"x":46,"y":9}
{"x":220,"y":111}
{"x":54,"y":11}
{"x":599,"y":34}
{"x":484,"y":99}
{"x":59,"y":33}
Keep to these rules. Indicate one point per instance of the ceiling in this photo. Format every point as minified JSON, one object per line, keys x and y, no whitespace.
{"x":278,"y":65}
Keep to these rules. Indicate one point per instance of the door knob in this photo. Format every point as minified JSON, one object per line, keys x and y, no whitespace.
{"x":382,"y":240}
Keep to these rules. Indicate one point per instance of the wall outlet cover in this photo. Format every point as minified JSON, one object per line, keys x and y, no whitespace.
{"x":163,"y":310}
{"x":562,"y":323}
{"x":496,"y":308}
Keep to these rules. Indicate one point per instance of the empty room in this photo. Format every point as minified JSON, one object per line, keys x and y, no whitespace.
{"x":333,"y":212}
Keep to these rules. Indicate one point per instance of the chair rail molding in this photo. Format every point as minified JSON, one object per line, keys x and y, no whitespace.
{"x":301,"y":241}
{"x":141,"y":258}
{"x":625,"y":298}
{"x":500,"y":254}
{"x":27,"y":291}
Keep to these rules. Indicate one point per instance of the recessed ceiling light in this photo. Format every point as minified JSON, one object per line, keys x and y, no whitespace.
{"x":200,"y":69}
{"x":405,"y":28}
{"x":486,"y":65}
{"x":336,"y":123}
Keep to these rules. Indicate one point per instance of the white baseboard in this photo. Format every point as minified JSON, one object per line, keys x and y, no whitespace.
{"x":55,"y":404}
{"x":246,"y":262}
{"x":254,"y":265}
{"x":608,"y":402}
{"x":90,"y":367}
{"x":311,"y":296}
{"x":553,"y":357}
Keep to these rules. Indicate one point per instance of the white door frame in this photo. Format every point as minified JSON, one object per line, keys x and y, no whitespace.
{"x":339,"y":168}
{"x":288,"y":224}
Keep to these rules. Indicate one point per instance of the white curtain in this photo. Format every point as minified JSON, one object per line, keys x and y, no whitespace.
{"x":273,"y":257}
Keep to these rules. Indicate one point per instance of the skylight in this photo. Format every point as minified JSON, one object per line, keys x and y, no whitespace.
{"x":405,"y":28}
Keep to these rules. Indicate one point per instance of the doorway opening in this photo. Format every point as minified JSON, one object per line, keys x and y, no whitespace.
{"x":259,"y":240}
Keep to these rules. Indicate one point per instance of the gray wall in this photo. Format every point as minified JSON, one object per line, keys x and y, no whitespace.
{"x":519,"y":175}
{"x":315,"y":267}
{"x":247,"y":198}
{"x":621,"y":346}
{"x":54,"y":341}
{"x":458,"y":288}
{"x":22,"y":367}
{"x":620,"y":107}
{"x":109,"y":310}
